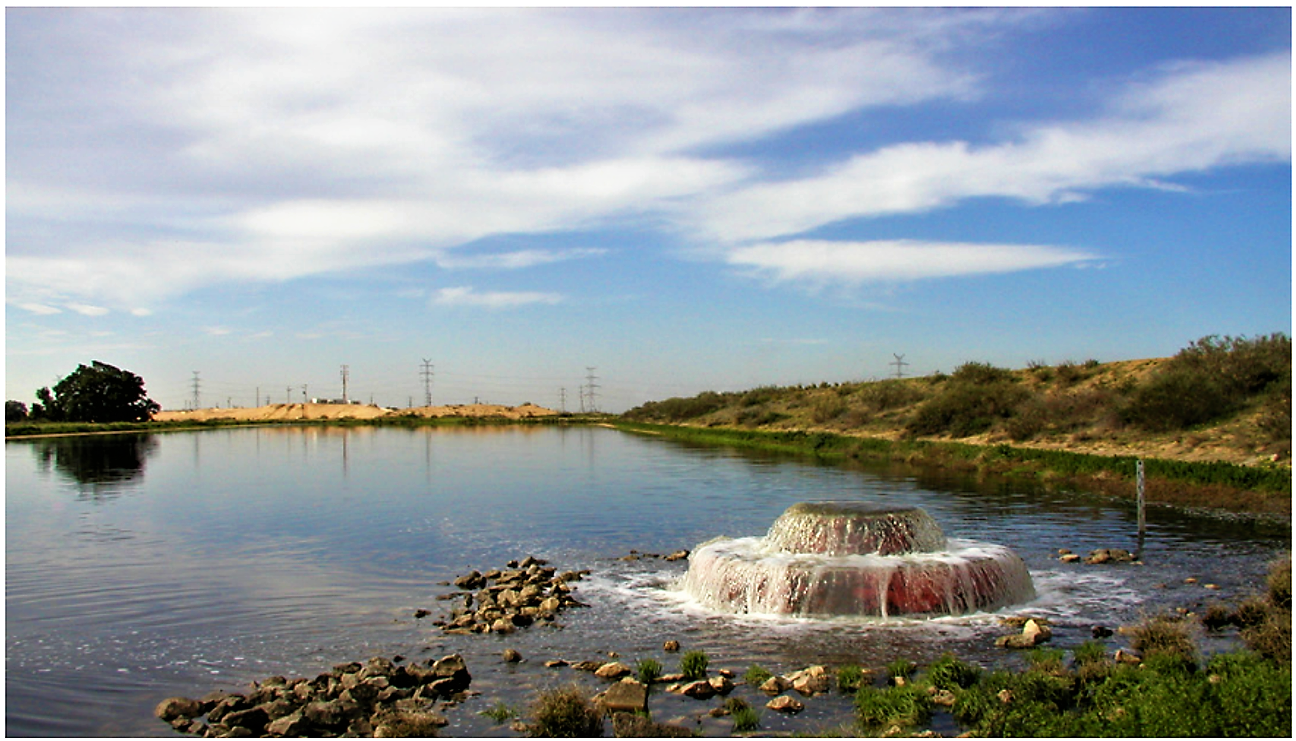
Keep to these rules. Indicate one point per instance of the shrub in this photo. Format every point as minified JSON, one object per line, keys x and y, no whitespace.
{"x":565,"y":712}
{"x":880,"y":708}
{"x":850,"y":677}
{"x":1279,"y":583}
{"x":693,"y":664}
{"x":648,"y":670}
{"x":1177,"y":398}
{"x":900,"y":668}
{"x":949,"y":673}
{"x":745,"y":717}
{"x":965,"y":409}
{"x":756,"y":675}
{"x":882,"y":396}
{"x":1089,"y":652}
{"x":499,"y":712}
{"x":1166,"y":635}
{"x":980,"y":374}
{"x":826,"y":409}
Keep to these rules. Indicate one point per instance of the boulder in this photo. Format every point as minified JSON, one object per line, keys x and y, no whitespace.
{"x":698,"y":690}
{"x":775,"y":684}
{"x":810,"y":681}
{"x":721,"y":684}
{"x":178,"y":707}
{"x":678,"y":556}
{"x":329,"y":714}
{"x":512,"y":655}
{"x":785,"y":704}
{"x":628,"y":695}
{"x":1070,"y":558}
{"x":253,"y":719}
{"x":1036,"y":632}
{"x":671,"y":646}
{"x":293,"y":724}
{"x":612,"y":670}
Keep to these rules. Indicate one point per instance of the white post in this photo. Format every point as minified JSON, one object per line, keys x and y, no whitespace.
{"x":1142,"y":521}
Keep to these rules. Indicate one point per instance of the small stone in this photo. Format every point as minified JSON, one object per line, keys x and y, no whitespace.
{"x":1128,"y":656}
{"x":785,"y":704}
{"x":944,"y":698}
{"x":1005,"y":696}
{"x":775,"y":684}
{"x":1063,"y":551}
{"x":671,"y":646}
{"x":678,"y":556}
{"x":1070,"y":558}
{"x":556,"y":663}
{"x":698,"y":690}
{"x":722,"y":685}
{"x":512,"y":655}
{"x":612,"y":670}
{"x":1190,"y":580}
{"x":1211,"y":586}
{"x":502,"y":625}
{"x":1100,"y":631}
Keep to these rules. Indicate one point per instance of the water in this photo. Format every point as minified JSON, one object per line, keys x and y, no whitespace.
{"x":144,"y":566}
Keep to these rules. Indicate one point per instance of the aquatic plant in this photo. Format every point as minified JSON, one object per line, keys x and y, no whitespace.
{"x":1164,"y":634}
{"x":756,"y":675}
{"x":850,"y":677}
{"x":499,"y":712}
{"x":693,"y":664}
{"x":878,"y":708}
{"x":648,"y":670}
{"x":565,"y":712}
{"x":950,"y":673}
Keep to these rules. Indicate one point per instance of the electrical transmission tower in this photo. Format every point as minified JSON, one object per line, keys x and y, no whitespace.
{"x":899,"y":364}
{"x":427,"y":382}
{"x":346,"y":375}
{"x":562,"y":399}
{"x":590,"y":378}
{"x":194,"y":401}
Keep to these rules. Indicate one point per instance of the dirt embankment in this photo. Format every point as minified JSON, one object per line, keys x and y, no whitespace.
{"x":279,"y":412}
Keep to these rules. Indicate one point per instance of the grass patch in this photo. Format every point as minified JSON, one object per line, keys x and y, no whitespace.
{"x":648,"y":670}
{"x":500,"y":712}
{"x":693,"y":664}
{"x":565,"y":712}
{"x":756,"y":675}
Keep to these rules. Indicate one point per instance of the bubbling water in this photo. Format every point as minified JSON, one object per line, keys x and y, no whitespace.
{"x":851,"y":558}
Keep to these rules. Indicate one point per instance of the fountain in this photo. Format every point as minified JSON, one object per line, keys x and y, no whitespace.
{"x":855,"y":558}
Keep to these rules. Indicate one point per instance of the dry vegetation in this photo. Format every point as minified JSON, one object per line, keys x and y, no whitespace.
{"x":1217,"y":400}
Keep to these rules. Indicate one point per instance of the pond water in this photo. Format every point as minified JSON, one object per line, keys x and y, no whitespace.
{"x":144,"y":566}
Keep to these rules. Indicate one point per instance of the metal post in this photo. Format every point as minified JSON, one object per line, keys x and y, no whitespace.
{"x":1142,"y":520}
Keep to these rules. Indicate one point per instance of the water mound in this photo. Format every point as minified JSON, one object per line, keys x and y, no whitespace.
{"x":853,"y":558}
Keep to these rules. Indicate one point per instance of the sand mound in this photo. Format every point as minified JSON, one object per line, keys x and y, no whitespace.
{"x":276,"y":412}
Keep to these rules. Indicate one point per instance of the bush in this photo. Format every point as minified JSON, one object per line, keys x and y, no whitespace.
{"x":900,"y":668}
{"x":693,"y":664}
{"x":963,"y":409}
{"x":648,"y":670}
{"x":826,"y":409}
{"x":850,"y":677}
{"x":980,"y":374}
{"x":565,"y":712}
{"x":949,"y":673}
{"x":1279,"y":583}
{"x":1164,"y":635}
{"x":756,"y":675}
{"x":880,"y":708}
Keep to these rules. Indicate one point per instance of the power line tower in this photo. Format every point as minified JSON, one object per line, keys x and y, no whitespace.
{"x":427,"y":382}
{"x":194,"y":401}
{"x":346,"y":375}
{"x":562,"y":399}
{"x":899,"y":364}
{"x":590,"y":378}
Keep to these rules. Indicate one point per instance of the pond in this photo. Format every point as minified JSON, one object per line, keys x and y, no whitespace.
{"x":143,"y":566}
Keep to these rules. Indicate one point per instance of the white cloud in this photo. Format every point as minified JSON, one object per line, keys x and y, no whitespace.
{"x":516,"y":259}
{"x":819,"y":263}
{"x":468,"y":296}
{"x":88,"y":310}
{"x":41,"y":309}
{"x":1192,"y":119}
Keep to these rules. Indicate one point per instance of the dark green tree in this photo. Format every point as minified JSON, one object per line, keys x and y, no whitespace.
{"x":98,"y":393}
{"x":15,"y":411}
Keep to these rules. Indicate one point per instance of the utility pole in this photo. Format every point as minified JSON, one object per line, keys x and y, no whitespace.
{"x":562,"y":399}
{"x":256,"y":400}
{"x":427,"y":382}
{"x":590,"y":385}
{"x":195,"y":390}
{"x":899,"y":364}
{"x":346,"y":374}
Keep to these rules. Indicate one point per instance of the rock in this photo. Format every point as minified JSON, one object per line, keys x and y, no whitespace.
{"x":1099,"y":631}
{"x":944,"y":698}
{"x":678,"y":556}
{"x":1005,"y":696}
{"x":587,"y":666}
{"x":326,"y":714}
{"x":785,"y":704}
{"x":1064,"y":551}
{"x":512,"y":655}
{"x":1036,"y":632}
{"x":627,"y":695}
{"x":253,"y":719}
{"x":178,"y":707}
{"x":612,"y":670}
{"x":1128,"y":656}
{"x":810,"y":681}
{"x":674,"y":677}
{"x":630,"y":725}
{"x":722,"y":685}
{"x":698,"y":690}
{"x":555,"y":663}
{"x":775,"y":684}
{"x":293,"y":724}
{"x":1070,"y":558}
{"x":502,"y":625}
{"x":671,"y":646}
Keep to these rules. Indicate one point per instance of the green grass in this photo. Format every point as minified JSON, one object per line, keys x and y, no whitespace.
{"x":756,"y":675}
{"x":648,"y":670}
{"x":693,"y":664}
{"x":500,"y":712}
{"x":565,"y":712}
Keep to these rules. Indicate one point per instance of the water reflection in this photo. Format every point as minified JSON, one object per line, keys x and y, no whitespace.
{"x":102,"y":467}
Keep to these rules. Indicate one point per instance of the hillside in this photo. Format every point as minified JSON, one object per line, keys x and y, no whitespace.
{"x":1217,"y":400}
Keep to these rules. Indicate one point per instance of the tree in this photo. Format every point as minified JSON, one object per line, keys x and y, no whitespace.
{"x":97,"y":393}
{"x":15,"y":411}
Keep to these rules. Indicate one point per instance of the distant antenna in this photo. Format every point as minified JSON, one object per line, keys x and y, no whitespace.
{"x":562,"y":399}
{"x":899,"y":364}
{"x":195,"y":390}
{"x":346,"y":375}
{"x":427,"y":382}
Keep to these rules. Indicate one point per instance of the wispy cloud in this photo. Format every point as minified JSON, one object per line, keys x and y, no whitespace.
{"x":517,"y":259}
{"x":1192,"y":118}
{"x":820,"y":263}
{"x":468,"y":296}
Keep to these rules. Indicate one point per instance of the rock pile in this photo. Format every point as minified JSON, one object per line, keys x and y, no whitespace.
{"x":503,"y":600}
{"x":378,"y":698}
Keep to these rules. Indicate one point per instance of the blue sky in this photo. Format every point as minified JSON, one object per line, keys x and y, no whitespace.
{"x":683,"y":200}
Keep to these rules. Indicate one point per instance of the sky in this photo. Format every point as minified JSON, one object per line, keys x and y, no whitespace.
{"x":529,"y":203}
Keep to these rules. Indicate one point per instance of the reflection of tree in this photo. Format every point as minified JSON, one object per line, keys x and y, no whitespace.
{"x":96,"y":460}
